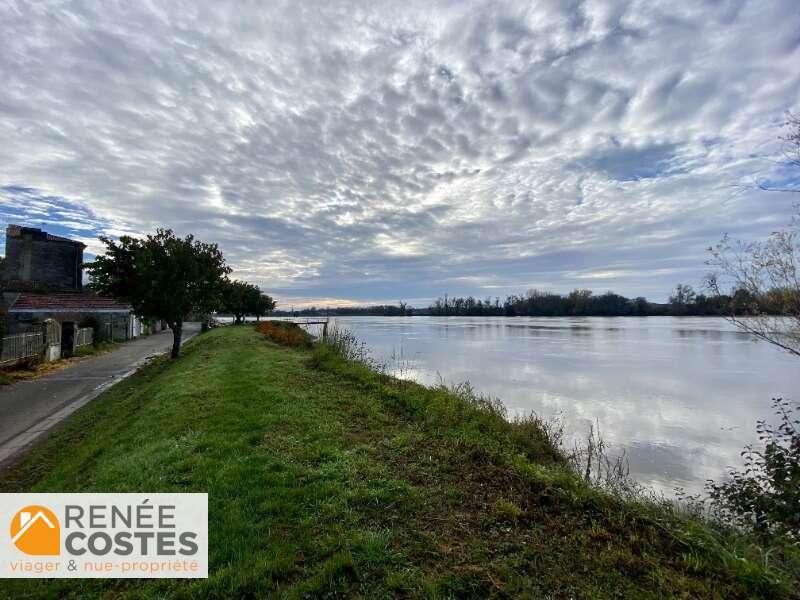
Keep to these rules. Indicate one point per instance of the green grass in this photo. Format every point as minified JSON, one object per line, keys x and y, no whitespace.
{"x":328,"y":479}
{"x":95,"y":349}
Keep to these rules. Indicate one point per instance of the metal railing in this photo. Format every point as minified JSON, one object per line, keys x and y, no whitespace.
{"x":22,"y":345}
{"x":84,"y":336}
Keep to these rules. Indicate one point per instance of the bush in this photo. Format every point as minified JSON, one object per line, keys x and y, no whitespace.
{"x":765,"y":496}
{"x":285,"y":333}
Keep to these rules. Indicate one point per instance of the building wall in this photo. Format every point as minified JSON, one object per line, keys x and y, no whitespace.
{"x":113,"y":325}
{"x":33,"y":257}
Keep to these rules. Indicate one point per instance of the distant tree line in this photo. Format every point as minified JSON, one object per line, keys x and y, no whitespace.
{"x":379,"y":310}
{"x":684,"y":301}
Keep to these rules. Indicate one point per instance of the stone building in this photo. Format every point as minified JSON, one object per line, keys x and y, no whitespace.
{"x":42,"y":282}
{"x":37,"y":260}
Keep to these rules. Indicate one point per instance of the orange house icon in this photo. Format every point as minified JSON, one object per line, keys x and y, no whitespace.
{"x":35,"y":530}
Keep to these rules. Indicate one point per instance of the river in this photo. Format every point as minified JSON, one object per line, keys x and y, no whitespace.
{"x":679,"y":396}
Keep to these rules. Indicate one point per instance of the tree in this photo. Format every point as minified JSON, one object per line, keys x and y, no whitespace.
{"x":765,"y":302}
{"x":765,"y":284}
{"x":791,"y":153}
{"x":240,"y":299}
{"x":792,"y":141}
{"x":640,"y":306}
{"x":682,"y":296}
{"x":162,"y":276}
{"x":763,"y":275}
{"x":264,"y":305}
{"x":579,"y":301}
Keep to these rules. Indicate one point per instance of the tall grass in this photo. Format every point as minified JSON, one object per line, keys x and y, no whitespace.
{"x":345,"y":343}
{"x":592,"y":459}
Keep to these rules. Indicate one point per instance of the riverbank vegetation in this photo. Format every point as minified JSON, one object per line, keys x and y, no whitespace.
{"x":683,"y":301}
{"x":402,"y":309}
{"x":285,"y":333}
{"x":328,"y":478}
{"x":764,"y":495}
{"x":766,"y":272}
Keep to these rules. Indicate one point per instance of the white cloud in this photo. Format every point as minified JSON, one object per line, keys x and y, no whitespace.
{"x":388,"y":150}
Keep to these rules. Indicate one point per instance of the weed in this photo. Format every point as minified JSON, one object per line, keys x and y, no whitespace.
{"x":284,"y":333}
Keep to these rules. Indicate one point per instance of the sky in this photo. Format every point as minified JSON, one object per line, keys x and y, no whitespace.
{"x":371,"y":152}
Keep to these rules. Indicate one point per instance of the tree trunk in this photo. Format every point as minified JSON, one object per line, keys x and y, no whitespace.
{"x":177,"y":330}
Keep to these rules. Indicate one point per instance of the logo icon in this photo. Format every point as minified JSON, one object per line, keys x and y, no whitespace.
{"x":35,"y":530}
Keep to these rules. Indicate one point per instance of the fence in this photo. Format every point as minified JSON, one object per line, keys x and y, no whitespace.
{"x":84,"y":336}
{"x":21,"y":345}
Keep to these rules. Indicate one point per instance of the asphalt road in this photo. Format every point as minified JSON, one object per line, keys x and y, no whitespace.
{"x":29,"y":408}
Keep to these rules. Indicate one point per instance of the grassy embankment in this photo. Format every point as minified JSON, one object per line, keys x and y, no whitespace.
{"x":326,"y":478}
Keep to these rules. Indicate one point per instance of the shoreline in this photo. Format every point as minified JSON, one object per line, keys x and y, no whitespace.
{"x":336,"y":479}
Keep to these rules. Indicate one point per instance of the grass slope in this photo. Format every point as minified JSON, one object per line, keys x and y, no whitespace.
{"x":327,"y":479}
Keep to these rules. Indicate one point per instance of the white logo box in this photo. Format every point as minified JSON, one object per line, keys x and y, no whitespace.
{"x":154,"y":536}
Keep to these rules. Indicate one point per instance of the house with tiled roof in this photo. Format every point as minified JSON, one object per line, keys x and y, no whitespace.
{"x":112,"y":319}
{"x":42,"y":281}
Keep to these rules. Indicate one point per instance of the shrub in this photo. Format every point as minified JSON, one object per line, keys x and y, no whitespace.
{"x":285,"y":333}
{"x":765,"y":496}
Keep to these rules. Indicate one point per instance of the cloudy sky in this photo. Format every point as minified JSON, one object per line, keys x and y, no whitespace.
{"x":369,"y":151}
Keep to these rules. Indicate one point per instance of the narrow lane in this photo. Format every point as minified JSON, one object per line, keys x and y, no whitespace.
{"x":28,"y":408}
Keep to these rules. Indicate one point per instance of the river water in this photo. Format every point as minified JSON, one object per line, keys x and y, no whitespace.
{"x":679,"y":396}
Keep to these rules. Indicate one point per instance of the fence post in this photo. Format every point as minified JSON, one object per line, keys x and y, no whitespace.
{"x":45,"y":339}
{"x":48,"y":333}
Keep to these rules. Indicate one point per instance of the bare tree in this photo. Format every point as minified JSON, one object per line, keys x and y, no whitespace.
{"x":763,"y":279}
{"x":792,"y":141}
{"x":762,"y":276}
{"x":791,"y":153}
{"x":684,"y":294}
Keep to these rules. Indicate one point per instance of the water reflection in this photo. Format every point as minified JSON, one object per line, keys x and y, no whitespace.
{"x":680,"y":396}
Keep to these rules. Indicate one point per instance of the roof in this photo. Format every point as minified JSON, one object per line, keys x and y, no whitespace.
{"x":27,"y":302}
{"x":18,"y":231}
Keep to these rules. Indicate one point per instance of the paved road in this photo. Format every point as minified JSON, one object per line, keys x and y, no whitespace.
{"x":30,"y":408}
